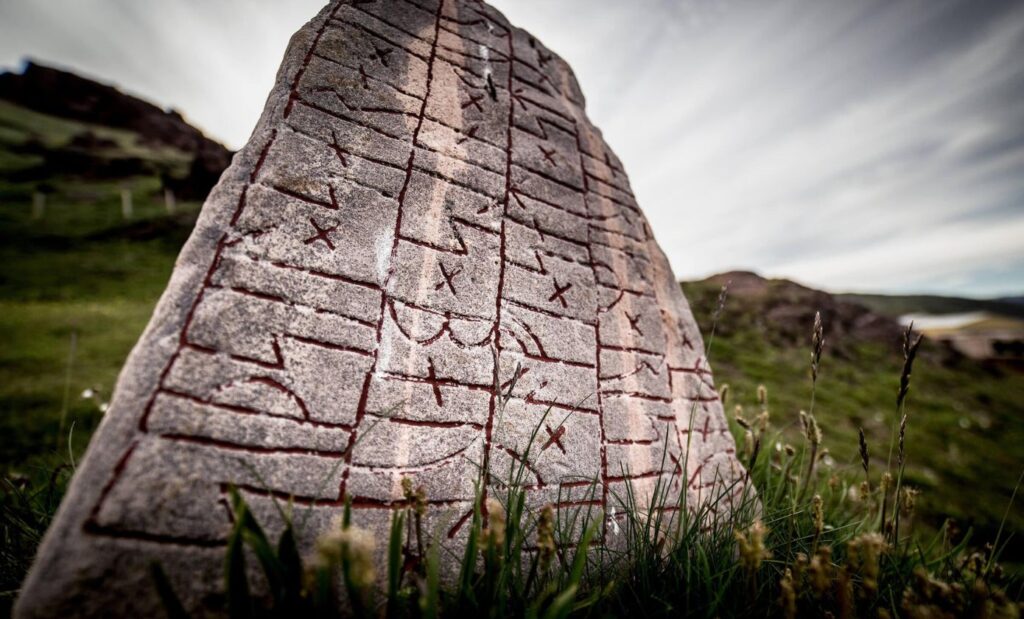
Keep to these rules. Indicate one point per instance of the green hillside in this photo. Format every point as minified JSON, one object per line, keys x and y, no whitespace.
{"x":965,"y":419}
{"x":78,"y":279}
{"x":896,"y":305}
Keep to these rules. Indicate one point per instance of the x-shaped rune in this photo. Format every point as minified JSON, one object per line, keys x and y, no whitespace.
{"x":475,"y":101}
{"x":675,"y":460}
{"x":382,"y":54}
{"x":449,"y":278}
{"x":633,"y":320}
{"x":559,"y":293}
{"x":322,"y":234}
{"x":555,"y":438}
{"x":549,"y":155}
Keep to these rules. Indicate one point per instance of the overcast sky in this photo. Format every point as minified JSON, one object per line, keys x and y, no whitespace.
{"x":868,"y":145}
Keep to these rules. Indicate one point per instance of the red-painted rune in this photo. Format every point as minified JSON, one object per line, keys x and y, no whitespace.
{"x":322,"y":234}
{"x":555,"y":438}
{"x":449,"y":278}
{"x":633,"y":322}
{"x":549,"y":154}
{"x":474,"y":100}
{"x":559,"y":294}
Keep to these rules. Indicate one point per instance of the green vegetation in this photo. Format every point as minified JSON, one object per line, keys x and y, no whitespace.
{"x":74,"y":296}
{"x":78,"y":282}
{"x":794,"y":542}
{"x":896,"y":305}
{"x":968,"y":418}
{"x":21,"y":126}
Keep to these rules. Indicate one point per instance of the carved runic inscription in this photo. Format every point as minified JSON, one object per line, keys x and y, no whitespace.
{"x":425,"y":253}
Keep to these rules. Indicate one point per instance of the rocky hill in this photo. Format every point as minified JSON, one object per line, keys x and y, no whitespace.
{"x":54,"y":124}
{"x":783,"y":309}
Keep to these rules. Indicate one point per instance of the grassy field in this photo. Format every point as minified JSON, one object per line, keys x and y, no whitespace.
{"x":76,"y":289}
{"x":78,"y":280}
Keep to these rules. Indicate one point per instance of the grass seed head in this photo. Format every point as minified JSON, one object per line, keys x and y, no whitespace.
{"x":546,"y":537}
{"x":865,"y":491}
{"x":751,"y":544}
{"x":863,"y":555}
{"x":817,"y":345}
{"x":811,"y":430}
{"x":820,"y":571}
{"x":817,"y":509}
{"x":417,"y":498}
{"x":910,"y":346}
{"x":787,"y":595}
{"x":762,"y":421}
{"x":864,"y":456}
{"x":495,"y":533}
{"x":909,"y":501}
{"x":352,"y":547}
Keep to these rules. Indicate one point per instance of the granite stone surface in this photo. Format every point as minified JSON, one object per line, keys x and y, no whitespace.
{"x":423,"y":225}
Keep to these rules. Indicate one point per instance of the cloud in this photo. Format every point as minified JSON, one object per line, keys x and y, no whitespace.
{"x":875,"y":145}
{"x":214,"y":61}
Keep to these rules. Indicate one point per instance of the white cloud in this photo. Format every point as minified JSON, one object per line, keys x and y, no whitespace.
{"x":822,"y":140}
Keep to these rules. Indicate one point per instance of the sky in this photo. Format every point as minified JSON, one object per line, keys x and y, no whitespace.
{"x":875,"y":145}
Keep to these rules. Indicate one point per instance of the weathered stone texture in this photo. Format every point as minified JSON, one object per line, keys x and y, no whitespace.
{"x":423,"y":211}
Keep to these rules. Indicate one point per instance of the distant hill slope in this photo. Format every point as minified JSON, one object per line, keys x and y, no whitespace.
{"x":783,"y":309}
{"x":56,"y":124}
{"x":897,"y":305}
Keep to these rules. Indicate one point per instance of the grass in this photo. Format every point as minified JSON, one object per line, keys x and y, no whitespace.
{"x":82,"y":274}
{"x":798,"y":542}
{"x":969,"y":417}
{"x":76,"y":289}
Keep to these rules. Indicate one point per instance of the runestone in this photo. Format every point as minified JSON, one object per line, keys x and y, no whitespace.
{"x":424,"y":255}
